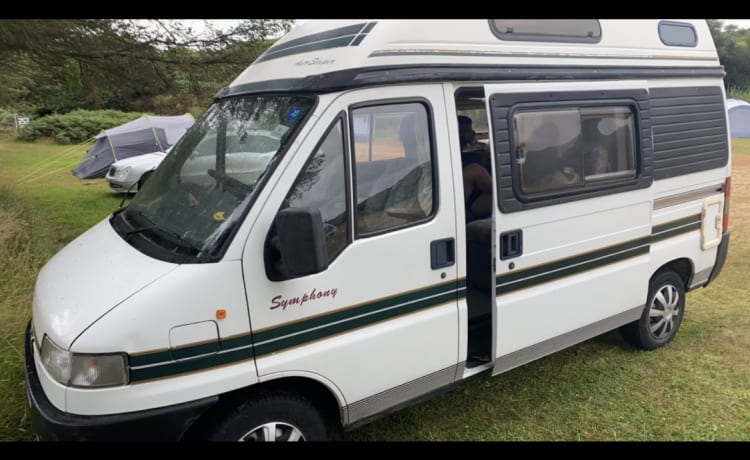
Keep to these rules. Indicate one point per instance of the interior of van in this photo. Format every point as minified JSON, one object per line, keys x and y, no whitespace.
{"x":480,"y":277}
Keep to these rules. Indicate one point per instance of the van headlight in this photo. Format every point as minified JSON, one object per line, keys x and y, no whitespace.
{"x":122,"y":173}
{"x":82,"y":370}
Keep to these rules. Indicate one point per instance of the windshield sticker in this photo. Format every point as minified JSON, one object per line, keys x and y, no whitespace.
{"x":279,"y":301}
{"x":294,"y":113}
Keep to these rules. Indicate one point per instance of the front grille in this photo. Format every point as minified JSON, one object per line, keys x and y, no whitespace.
{"x":112,"y":170}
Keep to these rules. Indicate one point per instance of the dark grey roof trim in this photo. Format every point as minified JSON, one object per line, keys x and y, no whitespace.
{"x":383,"y":75}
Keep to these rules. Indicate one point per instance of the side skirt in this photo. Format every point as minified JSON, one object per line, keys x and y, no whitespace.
{"x":549,"y":346}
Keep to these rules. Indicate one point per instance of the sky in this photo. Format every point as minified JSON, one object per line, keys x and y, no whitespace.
{"x":741,"y":23}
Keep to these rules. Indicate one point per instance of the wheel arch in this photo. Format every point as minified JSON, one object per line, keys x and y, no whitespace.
{"x":325,"y":396}
{"x":684,"y":268}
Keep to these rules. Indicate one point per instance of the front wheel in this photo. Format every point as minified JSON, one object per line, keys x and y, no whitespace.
{"x":274,"y":417}
{"x":662,"y":316}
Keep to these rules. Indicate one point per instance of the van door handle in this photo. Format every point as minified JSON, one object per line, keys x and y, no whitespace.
{"x":442,"y":253}
{"x":511,"y":244}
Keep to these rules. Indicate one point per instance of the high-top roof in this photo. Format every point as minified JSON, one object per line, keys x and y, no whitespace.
{"x":332,"y":47}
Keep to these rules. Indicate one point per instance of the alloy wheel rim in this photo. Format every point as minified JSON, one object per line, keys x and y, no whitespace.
{"x":664,"y":312}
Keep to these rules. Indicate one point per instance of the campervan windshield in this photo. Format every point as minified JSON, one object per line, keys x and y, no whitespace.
{"x":199,"y":192}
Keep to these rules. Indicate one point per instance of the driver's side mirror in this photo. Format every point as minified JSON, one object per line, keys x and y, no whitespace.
{"x":301,"y":242}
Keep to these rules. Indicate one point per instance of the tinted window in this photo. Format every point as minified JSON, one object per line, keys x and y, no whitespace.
{"x":394,"y":166}
{"x":322,"y":185}
{"x":564,"y":149}
{"x":574,"y":30}
{"x":677,"y":34}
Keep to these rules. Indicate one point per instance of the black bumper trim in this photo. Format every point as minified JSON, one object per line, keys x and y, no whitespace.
{"x":721,"y":257}
{"x":161,"y":424}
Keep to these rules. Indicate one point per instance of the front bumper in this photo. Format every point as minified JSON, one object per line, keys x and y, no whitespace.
{"x":122,"y":187}
{"x":50,"y":424}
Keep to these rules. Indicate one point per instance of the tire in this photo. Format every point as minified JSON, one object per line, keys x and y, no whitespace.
{"x":666,"y":299}
{"x":143,"y":179}
{"x":253,"y":420}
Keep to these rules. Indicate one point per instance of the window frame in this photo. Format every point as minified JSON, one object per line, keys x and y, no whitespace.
{"x":433,"y":158}
{"x":505,"y":36}
{"x":594,"y":187}
{"x":686,"y":25}
{"x":340,"y":117}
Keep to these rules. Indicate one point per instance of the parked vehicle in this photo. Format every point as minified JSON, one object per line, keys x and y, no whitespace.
{"x":126,"y":176}
{"x":340,"y":273}
{"x":245,"y":157}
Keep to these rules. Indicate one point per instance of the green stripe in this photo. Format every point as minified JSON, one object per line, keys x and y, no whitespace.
{"x":189,"y":351}
{"x":263,"y":336}
{"x":197,"y":364}
{"x":562,"y":263}
{"x":334,"y":329}
{"x":292,"y":335}
{"x":675,"y":231}
{"x":521,"y":284}
{"x":676,"y":223}
{"x":444,"y":293}
{"x":150,"y":358}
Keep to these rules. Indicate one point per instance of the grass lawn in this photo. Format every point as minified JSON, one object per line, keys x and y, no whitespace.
{"x":697,"y":388}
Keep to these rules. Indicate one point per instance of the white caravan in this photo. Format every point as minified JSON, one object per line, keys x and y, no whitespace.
{"x":356,"y":273}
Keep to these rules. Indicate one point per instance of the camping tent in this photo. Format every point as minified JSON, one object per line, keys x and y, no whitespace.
{"x":144,"y":135}
{"x":739,"y":117}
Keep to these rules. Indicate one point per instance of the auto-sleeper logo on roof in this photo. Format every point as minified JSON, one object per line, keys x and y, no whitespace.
{"x":282,"y":302}
{"x":315,"y":61}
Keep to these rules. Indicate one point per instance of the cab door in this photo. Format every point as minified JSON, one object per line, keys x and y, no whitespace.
{"x":379,"y":323}
{"x":572,"y":224}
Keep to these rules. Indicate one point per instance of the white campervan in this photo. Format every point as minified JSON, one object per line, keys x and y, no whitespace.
{"x":447,"y":200}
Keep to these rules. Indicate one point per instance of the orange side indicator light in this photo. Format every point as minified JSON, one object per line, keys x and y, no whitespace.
{"x":221,"y":314}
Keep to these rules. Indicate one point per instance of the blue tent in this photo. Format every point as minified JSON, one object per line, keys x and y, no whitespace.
{"x":144,"y":135}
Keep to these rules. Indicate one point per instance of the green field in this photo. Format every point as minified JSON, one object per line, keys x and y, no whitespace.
{"x":697,"y":388}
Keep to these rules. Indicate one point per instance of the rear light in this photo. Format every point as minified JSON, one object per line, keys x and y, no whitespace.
{"x":727,"y":193}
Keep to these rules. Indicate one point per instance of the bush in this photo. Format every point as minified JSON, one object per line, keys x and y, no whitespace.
{"x":196,"y":111}
{"x":76,"y":126}
{"x":736,"y":92}
{"x":7,"y":118}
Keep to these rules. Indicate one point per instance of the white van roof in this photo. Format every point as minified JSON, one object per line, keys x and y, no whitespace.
{"x":326,"y":55}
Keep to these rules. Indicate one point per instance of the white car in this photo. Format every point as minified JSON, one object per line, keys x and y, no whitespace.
{"x":246,"y":158}
{"x":123,"y":175}
{"x":247,"y":155}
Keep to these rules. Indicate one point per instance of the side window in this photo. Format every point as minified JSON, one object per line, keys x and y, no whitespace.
{"x":677,"y":34}
{"x":559,"y":150}
{"x":548,"y":150}
{"x":322,"y":185}
{"x":550,"y":30}
{"x":608,"y":143}
{"x":393,"y":163}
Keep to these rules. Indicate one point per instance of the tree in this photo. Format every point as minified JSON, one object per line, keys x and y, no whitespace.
{"x":733,"y":46}
{"x":164,"y":66}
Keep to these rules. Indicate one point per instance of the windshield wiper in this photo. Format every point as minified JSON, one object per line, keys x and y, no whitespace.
{"x":174,"y":237}
{"x":150,"y":223}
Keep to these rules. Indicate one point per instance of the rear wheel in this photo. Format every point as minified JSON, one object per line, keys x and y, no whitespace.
{"x":273,"y":417}
{"x":662,"y":316}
